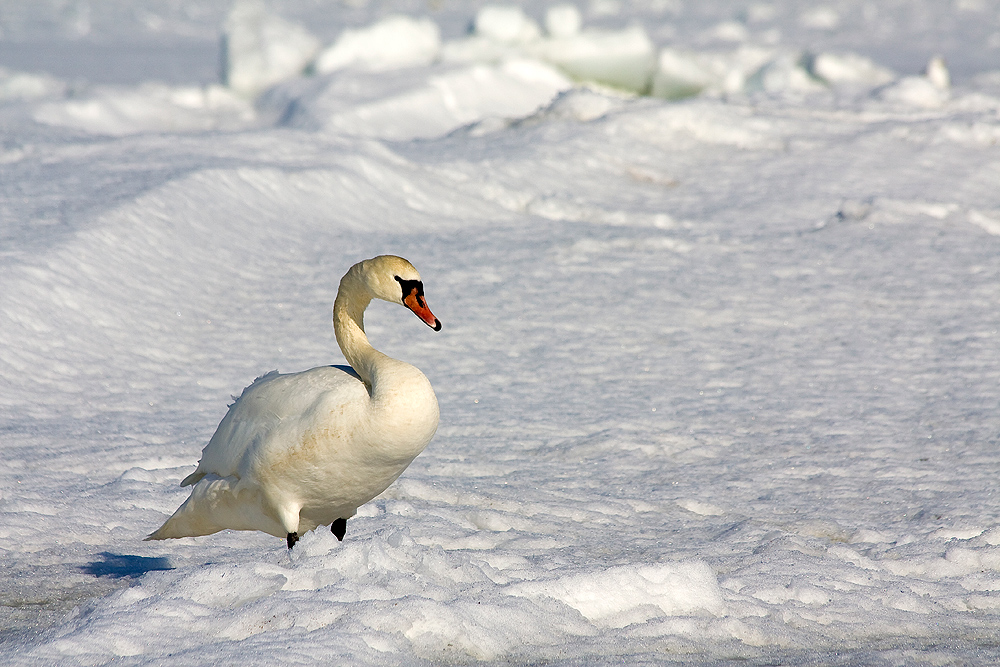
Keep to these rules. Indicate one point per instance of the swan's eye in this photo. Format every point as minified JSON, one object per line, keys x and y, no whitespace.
{"x":412,"y":289}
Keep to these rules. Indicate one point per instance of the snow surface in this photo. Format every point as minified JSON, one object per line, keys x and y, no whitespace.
{"x":719,"y":377}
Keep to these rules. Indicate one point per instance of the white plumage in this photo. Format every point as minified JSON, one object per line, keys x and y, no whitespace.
{"x":306,"y":449}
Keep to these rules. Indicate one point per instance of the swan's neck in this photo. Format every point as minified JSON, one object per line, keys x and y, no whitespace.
{"x":349,"y":327}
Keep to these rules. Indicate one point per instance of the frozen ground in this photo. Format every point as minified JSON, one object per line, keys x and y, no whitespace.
{"x":719,"y":376}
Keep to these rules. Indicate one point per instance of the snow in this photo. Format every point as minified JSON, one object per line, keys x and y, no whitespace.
{"x":718,"y":373}
{"x":620,"y":59}
{"x":150,"y":107}
{"x":850,"y":68}
{"x":261,"y":48}
{"x":394,"y":42}
{"x":424,"y":103}
{"x":23,"y":85}
{"x":505,"y":24}
{"x":563,"y":20}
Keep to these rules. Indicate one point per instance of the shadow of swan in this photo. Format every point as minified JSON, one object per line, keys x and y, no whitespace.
{"x":119,"y":566}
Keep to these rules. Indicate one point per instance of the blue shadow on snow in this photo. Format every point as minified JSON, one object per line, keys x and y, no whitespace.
{"x":118,"y":566}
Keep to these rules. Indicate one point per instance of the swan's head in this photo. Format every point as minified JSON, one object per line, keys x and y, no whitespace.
{"x":394,"y":279}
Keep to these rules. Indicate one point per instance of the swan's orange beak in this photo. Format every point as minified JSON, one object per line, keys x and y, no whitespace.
{"x":415,"y":302}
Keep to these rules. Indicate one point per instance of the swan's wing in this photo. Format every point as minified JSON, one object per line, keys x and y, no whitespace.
{"x":272,"y":404}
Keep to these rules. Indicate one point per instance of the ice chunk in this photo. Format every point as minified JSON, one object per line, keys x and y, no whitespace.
{"x":604,"y":7}
{"x":261,"y":49}
{"x":681,"y":74}
{"x":684,"y":73}
{"x":507,"y":25}
{"x":478,"y":49}
{"x":563,"y":20}
{"x":761,"y":12}
{"x":850,"y":69}
{"x":394,"y":42}
{"x":621,"y":59}
{"x":820,"y":18}
{"x":729,"y":31}
{"x":937,"y":73}
{"x":25,"y":86}
{"x":444,"y":102}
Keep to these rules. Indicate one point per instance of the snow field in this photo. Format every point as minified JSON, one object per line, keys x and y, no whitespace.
{"x":718,"y":377}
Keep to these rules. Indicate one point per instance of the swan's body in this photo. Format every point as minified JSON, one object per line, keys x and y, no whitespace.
{"x":307,"y":449}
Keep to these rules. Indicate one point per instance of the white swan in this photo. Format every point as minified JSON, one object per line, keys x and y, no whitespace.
{"x":307,"y":449}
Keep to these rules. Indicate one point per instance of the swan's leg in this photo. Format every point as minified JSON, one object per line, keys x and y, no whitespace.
{"x":339,"y":528}
{"x":288,"y":516}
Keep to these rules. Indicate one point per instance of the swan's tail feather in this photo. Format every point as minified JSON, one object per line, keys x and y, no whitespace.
{"x":193,"y":478}
{"x":216,"y":504}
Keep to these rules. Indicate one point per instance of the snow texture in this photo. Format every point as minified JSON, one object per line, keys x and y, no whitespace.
{"x":719,"y":374}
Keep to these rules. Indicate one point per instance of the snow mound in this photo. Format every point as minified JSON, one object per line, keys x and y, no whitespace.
{"x":788,"y":73}
{"x":621,"y":596}
{"x":26,"y":86}
{"x":395,"y":594}
{"x":916,"y":91}
{"x":151,"y":107}
{"x":142,"y":247}
{"x":989,"y":222}
{"x":582,"y":104}
{"x":931,"y":91}
{"x":702,"y":122}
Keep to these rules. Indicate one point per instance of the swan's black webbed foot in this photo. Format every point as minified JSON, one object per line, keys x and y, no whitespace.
{"x":339,"y":528}
{"x":292,"y":539}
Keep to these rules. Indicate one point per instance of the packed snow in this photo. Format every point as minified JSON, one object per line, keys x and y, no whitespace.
{"x":718,"y":375}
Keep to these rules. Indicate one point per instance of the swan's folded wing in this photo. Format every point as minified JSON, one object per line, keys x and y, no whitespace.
{"x":271,"y":404}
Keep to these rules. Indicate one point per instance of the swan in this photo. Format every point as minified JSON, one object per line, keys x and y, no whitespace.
{"x":302,"y":450}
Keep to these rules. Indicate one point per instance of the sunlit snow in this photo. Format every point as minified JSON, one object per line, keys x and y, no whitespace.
{"x":719,"y":374}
